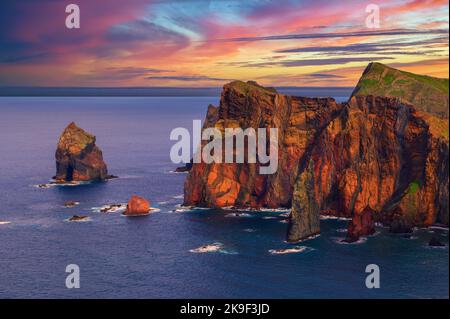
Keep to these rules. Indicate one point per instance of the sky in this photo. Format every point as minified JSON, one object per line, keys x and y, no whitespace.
{"x":200,"y":43}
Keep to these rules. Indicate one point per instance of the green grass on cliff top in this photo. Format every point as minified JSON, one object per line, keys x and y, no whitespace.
{"x":245,"y":87}
{"x":427,"y":93}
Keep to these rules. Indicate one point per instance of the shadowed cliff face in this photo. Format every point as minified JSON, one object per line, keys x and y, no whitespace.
{"x":78,"y":158}
{"x":379,"y":157}
{"x":372,"y":159}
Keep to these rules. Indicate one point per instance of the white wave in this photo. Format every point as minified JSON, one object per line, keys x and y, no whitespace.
{"x":179,"y":196}
{"x":4,"y":222}
{"x":163,"y":203}
{"x":270,"y":217}
{"x":284,"y":221}
{"x":87,"y":219}
{"x":340,"y":240}
{"x":305,"y":239}
{"x":110,"y":208}
{"x":411,"y":237}
{"x":439,"y":228}
{"x":58,"y":184}
{"x":151,"y":211}
{"x":208,"y":248}
{"x":341,"y":230}
{"x":436,"y":247}
{"x":293,"y":250}
{"x":250,"y":230}
{"x":275,"y":210}
{"x":326,"y":217}
{"x":175,"y":172}
{"x":181,"y":209}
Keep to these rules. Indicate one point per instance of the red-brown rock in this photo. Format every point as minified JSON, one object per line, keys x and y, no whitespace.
{"x":248,"y":105}
{"x":362,"y":224}
{"x":78,"y":158}
{"x":137,"y":206}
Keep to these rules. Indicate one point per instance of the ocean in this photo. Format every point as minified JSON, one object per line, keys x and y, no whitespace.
{"x":155,"y":256}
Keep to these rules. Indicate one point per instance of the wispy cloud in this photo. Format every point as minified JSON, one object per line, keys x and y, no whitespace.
{"x":367,"y":47}
{"x":187,"y":78}
{"x":123,"y":73}
{"x":377,"y":33}
{"x":309,"y":62}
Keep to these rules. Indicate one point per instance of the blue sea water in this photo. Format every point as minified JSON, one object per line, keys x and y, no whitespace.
{"x":151,"y":257}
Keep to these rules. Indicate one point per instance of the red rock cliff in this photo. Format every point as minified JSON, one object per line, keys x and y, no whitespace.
{"x":373,"y":155}
{"x":381,"y":156}
{"x":248,"y":105}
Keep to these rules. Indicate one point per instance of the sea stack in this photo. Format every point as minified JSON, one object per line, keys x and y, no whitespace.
{"x":362,"y":225}
{"x":78,"y":158}
{"x":137,"y":206}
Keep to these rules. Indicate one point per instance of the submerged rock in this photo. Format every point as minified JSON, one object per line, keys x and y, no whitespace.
{"x":70,"y":204}
{"x":76,"y":218}
{"x":400,"y":225}
{"x":78,"y":158}
{"x":112,"y":208}
{"x":137,"y":206}
{"x":183,"y":169}
{"x":435,"y":242}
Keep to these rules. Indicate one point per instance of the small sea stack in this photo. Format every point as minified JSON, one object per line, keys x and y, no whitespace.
{"x":137,"y":206}
{"x":361,"y":225}
{"x":78,"y":158}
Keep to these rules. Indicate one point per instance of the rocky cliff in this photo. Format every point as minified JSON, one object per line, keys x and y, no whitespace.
{"x":381,"y":158}
{"x":248,"y":105}
{"x":78,"y":158}
{"x":374,"y":159}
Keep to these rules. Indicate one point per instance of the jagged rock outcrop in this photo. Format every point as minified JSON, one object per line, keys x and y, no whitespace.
{"x":362,"y":224}
{"x":78,"y":158}
{"x":248,"y":105}
{"x":137,"y":206}
{"x":380,"y":155}
{"x":373,"y":159}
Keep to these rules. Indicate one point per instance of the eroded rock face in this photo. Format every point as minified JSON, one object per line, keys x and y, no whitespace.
{"x":137,"y":206}
{"x":78,"y":158}
{"x":372,"y":154}
{"x":382,"y":156}
{"x":248,"y":105}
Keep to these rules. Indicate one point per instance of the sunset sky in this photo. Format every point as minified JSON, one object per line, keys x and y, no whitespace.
{"x":207,"y":43}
